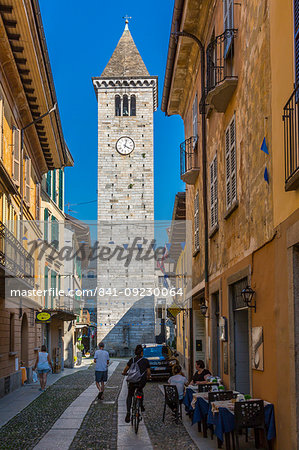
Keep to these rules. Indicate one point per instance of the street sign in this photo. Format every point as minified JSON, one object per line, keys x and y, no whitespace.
{"x":174,"y":310}
{"x":43,"y":317}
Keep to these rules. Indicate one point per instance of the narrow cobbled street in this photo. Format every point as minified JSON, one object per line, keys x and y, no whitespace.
{"x":68,"y":415}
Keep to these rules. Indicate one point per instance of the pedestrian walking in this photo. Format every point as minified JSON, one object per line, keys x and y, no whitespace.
{"x":101,"y":359}
{"x":43,"y":364}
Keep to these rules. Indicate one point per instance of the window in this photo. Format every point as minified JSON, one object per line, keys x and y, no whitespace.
{"x":16,"y":149}
{"x":125,"y":105}
{"x":53,"y":287}
{"x":46,"y":286}
{"x":27,"y":179}
{"x":194,"y":116}
{"x":196,"y":222}
{"x":48,"y":183}
{"x":230,"y":164}
{"x":214,"y":192}
{"x":54,"y":232}
{"x":60,"y":198}
{"x":133,"y":105}
{"x":46,"y":224}
{"x":228,"y":16}
{"x":117,"y":105}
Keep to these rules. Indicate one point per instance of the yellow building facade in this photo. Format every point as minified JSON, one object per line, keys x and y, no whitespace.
{"x":29,"y":148}
{"x":239,"y":161}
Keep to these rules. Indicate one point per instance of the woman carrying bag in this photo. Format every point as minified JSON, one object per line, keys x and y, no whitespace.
{"x":43,"y":364}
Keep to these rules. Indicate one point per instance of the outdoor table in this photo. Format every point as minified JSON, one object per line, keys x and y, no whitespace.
{"x":224,"y":419}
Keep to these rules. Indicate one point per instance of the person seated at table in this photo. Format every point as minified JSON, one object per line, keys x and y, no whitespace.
{"x":202,"y":374}
{"x":179,"y":380}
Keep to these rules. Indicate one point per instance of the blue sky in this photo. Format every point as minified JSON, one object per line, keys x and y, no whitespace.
{"x":81,"y":37}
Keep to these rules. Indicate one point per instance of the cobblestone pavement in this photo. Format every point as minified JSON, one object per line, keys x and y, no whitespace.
{"x":99,"y":427}
{"x":167,"y":435}
{"x":26,"y":429}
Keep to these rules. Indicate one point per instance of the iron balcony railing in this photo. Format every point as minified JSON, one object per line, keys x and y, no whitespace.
{"x":220,"y":54}
{"x":14,"y":258}
{"x":291,"y":136}
{"x":189,"y":155}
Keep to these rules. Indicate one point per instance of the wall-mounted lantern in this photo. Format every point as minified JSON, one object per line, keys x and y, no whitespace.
{"x":247,"y":295}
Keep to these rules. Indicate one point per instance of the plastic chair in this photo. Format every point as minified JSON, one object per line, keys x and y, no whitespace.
{"x":249,"y":414}
{"x":171,"y":399}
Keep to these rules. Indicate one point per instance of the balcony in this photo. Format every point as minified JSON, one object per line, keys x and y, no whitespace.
{"x":221,"y":81}
{"x":14,"y":258}
{"x":189,"y":160}
{"x":291,"y":141}
{"x":64,"y":308}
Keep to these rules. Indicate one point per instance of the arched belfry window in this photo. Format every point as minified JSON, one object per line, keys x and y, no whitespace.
{"x":125,"y":105}
{"x":117,"y":105}
{"x":133,"y":105}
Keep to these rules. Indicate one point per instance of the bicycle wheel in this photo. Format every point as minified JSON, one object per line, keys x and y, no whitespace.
{"x":137,"y":415}
{"x":133,"y":410}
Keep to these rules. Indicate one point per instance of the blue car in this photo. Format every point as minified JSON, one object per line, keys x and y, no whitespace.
{"x":161,"y":359}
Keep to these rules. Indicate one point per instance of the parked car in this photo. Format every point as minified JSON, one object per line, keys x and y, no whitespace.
{"x":161,"y":359}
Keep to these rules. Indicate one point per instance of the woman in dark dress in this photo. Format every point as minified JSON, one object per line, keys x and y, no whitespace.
{"x":201,"y":375}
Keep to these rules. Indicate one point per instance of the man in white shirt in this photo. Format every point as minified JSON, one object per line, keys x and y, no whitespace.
{"x":101,"y":359}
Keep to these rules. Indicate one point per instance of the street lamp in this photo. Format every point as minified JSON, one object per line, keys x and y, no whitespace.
{"x":204,"y":309}
{"x":22,"y":155}
{"x":247,"y":295}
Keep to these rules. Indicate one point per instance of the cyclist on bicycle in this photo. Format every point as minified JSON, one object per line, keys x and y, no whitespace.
{"x":145,"y":373}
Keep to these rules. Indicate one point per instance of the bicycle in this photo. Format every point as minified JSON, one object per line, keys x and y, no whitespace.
{"x":136,"y":409}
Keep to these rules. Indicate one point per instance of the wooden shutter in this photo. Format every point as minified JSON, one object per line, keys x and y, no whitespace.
{"x":46,"y":224}
{"x":230,"y":164}
{"x":16,"y":154}
{"x":37,"y":201}
{"x":27,"y":179}
{"x":214,"y":192}
{"x":48,"y":183}
{"x":194,"y":116}
{"x":296,"y":31}
{"x":196,"y":222}
{"x":46,"y":286}
{"x":60,"y":200}
{"x":54,"y":186}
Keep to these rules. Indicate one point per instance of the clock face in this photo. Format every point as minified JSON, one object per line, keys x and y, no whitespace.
{"x":125,"y":145}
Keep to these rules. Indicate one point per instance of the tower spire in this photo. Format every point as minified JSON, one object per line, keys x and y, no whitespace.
{"x":127,"y":18}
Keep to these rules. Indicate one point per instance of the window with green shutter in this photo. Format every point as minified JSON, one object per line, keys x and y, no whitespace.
{"x":54,"y":232}
{"x":54,"y":186}
{"x":46,"y":224}
{"x":46,"y":286}
{"x":60,"y":200}
{"x":48,"y":183}
{"x":53,"y":287}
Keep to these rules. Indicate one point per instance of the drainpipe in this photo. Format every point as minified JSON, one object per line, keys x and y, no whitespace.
{"x":204,"y":152}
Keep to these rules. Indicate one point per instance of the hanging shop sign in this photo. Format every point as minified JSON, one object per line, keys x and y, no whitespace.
{"x":43,"y":317}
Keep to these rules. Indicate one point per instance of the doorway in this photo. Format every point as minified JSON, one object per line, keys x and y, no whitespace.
{"x":240,"y":339}
{"x":24,"y":341}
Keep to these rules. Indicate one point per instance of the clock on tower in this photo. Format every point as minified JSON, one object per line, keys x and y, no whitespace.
{"x":127,"y":99}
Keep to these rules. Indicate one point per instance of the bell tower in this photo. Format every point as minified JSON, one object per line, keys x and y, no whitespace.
{"x":127,"y":99}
